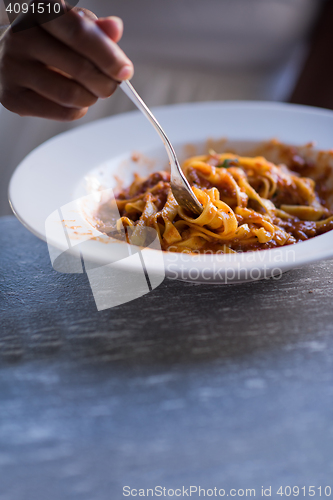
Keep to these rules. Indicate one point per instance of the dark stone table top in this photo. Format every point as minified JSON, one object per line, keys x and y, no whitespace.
{"x":190,"y":385}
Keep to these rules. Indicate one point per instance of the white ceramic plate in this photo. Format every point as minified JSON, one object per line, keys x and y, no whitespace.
{"x":63,"y":171}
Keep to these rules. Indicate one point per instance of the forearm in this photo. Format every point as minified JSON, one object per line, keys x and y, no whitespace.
{"x":315,"y":84}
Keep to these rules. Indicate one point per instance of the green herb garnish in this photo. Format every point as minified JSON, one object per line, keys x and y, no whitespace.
{"x":228,"y":163}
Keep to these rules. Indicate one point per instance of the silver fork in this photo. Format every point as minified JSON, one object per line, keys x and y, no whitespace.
{"x":180,"y":187}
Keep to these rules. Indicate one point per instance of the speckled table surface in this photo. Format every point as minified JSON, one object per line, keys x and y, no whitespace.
{"x":227,"y":387}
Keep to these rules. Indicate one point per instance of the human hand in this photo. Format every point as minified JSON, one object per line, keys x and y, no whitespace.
{"x":60,"y":68}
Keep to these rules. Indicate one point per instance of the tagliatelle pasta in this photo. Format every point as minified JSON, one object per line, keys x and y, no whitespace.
{"x":249,"y":203}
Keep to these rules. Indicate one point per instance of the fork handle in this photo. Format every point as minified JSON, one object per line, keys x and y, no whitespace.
{"x":129,"y":90}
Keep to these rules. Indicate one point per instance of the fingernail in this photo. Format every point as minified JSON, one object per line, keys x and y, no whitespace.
{"x":118,"y":21}
{"x":125,"y":73}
